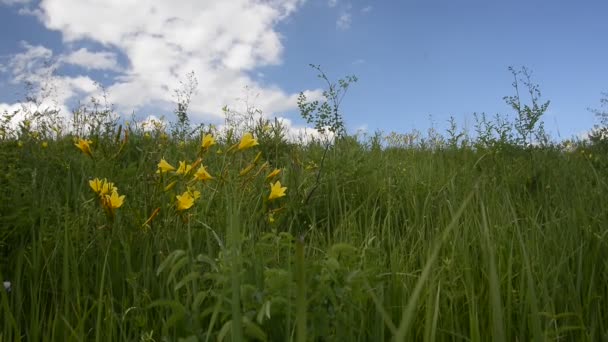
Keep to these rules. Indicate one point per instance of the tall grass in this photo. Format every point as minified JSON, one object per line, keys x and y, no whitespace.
{"x":396,"y":244}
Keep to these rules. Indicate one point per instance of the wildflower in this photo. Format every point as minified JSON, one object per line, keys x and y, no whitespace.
{"x":84,"y":146}
{"x":45,"y":144}
{"x":183,"y":168}
{"x":163,"y":166}
{"x":102,"y":187}
{"x":184,"y":201}
{"x":114,"y":201}
{"x":149,"y":220}
{"x":107,"y":188}
{"x":202,"y":174}
{"x":273,"y":174}
{"x":208,"y":141}
{"x":276,"y":190}
{"x":247,"y":141}
{"x":96,"y":184}
{"x":194,"y":193}
{"x":247,"y":169}
{"x":196,"y":163}
{"x":257,"y":158}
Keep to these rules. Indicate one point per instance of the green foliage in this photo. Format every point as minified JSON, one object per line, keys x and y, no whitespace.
{"x":528,"y":125}
{"x":181,"y":129}
{"x":326,"y":115}
{"x":404,"y":236}
{"x":599,"y":135}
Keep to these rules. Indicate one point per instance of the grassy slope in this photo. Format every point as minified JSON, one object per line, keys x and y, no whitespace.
{"x":398,"y":243}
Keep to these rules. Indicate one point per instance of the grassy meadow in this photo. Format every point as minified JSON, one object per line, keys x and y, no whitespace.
{"x":366,"y":239}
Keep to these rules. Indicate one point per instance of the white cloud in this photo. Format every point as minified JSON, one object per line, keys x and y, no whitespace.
{"x":344,"y":21}
{"x":332,"y":3}
{"x":36,"y":66}
{"x":163,"y":41}
{"x":9,"y":108}
{"x":366,"y":9}
{"x":92,"y":60}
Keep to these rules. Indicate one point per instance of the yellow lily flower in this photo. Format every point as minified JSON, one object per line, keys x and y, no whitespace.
{"x":96,"y":184}
{"x":184,"y":201}
{"x":163,"y":166}
{"x":183,"y":168}
{"x":102,"y":187}
{"x":246,"y":170}
{"x":273,"y":174}
{"x":114,"y":201}
{"x":208,"y":141}
{"x":194,"y":193}
{"x":247,"y":141}
{"x":276,"y":190}
{"x":202,"y":174}
{"x":107,"y":188}
{"x":84,"y":146}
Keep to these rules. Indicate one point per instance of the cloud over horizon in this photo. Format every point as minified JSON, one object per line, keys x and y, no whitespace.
{"x":221,"y":42}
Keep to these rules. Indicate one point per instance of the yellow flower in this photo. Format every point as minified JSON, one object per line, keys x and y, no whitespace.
{"x":276,"y":190}
{"x":96,"y":184}
{"x":114,"y":201}
{"x":208,"y":141}
{"x":273,"y":174}
{"x":163,"y":166}
{"x":183,"y":168}
{"x":102,"y":187}
{"x":202,"y":174}
{"x":107,"y":188}
{"x":185,"y":201}
{"x":45,"y":144}
{"x":84,"y":146}
{"x":247,"y":141}
{"x":194,"y":193}
{"x":257,"y":158}
{"x":247,"y":169}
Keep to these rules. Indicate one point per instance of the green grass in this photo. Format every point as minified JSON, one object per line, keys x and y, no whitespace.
{"x":394,"y":244}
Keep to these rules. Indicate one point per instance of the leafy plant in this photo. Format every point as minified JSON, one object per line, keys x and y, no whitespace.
{"x":326,"y":115}
{"x":528,"y":125}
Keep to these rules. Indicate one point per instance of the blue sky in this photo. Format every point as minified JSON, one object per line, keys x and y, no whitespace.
{"x":414,"y":59}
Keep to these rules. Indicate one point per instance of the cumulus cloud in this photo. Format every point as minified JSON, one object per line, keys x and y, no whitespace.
{"x":35,"y":66}
{"x":92,"y":60}
{"x":222,"y":42}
